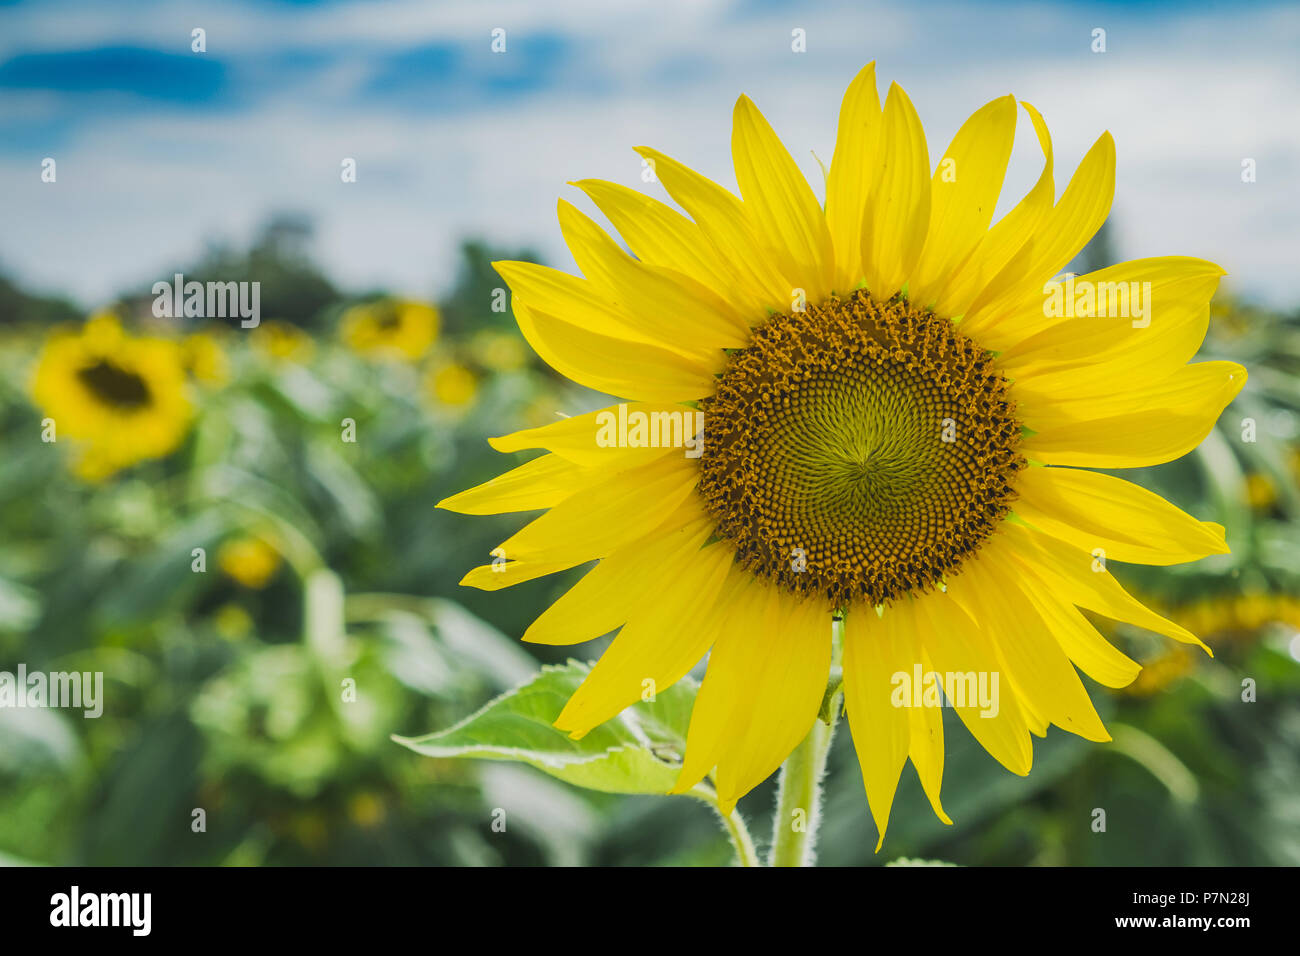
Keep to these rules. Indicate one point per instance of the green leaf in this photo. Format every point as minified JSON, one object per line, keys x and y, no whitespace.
{"x":20,"y":607}
{"x":638,"y":751}
{"x":147,"y":586}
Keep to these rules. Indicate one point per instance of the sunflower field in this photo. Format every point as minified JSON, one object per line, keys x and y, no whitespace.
{"x":237,"y":529}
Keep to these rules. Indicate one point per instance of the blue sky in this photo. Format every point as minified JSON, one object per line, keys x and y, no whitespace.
{"x":160,"y":149}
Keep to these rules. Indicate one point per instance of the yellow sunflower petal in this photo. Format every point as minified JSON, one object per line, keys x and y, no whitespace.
{"x":1079,"y":578}
{"x":1060,"y":235}
{"x":1035,"y":721}
{"x":898,"y":204}
{"x":724,"y":222}
{"x":849,"y":179}
{"x":496,"y":577}
{"x":579,"y":438}
{"x":1038,"y":668}
{"x":1082,"y":394}
{"x":958,"y":647}
{"x":925,"y":737}
{"x":608,"y":514}
{"x":615,"y":366}
{"x":1101,"y":320}
{"x":1143,"y":436}
{"x":875,"y":649}
{"x":659,"y":235}
{"x":612,"y":591}
{"x":763,"y":687}
{"x":785,"y":699}
{"x":578,"y":300}
{"x":604,"y":518}
{"x":656,"y":647}
{"x":669,"y":308}
{"x":541,"y":483}
{"x":738,"y":611}
{"x":963,"y":193}
{"x":1083,"y":643}
{"x":1091,"y":510}
{"x":781,"y":203}
{"x":1005,"y":240}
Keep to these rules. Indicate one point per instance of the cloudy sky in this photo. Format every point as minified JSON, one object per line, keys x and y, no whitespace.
{"x":160,"y":149}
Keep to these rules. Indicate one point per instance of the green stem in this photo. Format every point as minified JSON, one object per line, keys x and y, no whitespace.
{"x":741,"y":841}
{"x":1157,"y":760}
{"x":733,"y":823}
{"x":798,"y":801}
{"x":798,"y":804}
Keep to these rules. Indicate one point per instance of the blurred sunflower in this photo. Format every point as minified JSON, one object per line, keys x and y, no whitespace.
{"x":499,"y":351}
{"x":1161,"y":672}
{"x":251,"y":561}
{"x":390,"y":327}
{"x":205,"y":359}
{"x":1260,"y":491}
{"x":121,"y":399}
{"x":894,"y":420}
{"x":451,"y":385}
{"x":282,"y":340}
{"x":1233,"y":618}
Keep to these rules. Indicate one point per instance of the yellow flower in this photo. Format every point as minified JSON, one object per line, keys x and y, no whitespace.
{"x":232,"y":622}
{"x":366,"y":810}
{"x":1161,"y":671}
{"x":119,"y":398}
{"x":390,"y":327}
{"x":205,"y":359}
{"x":251,"y":561}
{"x":282,"y":340}
{"x":452,"y":384}
{"x":1261,"y":491}
{"x":1240,"y":616}
{"x":499,"y":351}
{"x":897,"y":408}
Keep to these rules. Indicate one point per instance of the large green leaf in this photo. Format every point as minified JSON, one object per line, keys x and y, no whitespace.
{"x":637,"y":752}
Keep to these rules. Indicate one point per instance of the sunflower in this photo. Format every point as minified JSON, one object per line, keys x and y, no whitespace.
{"x":390,"y":328}
{"x":282,"y":341}
{"x":252,"y":561}
{"x":205,"y":358}
{"x":1161,"y":672}
{"x":499,"y":351}
{"x":121,"y":399}
{"x":898,"y":410}
{"x":451,"y":385}
{"x":1260,"y":491}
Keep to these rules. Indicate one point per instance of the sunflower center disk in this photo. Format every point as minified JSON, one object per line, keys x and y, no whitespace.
{"x":115,"y":385}
{"x":858,"y":451}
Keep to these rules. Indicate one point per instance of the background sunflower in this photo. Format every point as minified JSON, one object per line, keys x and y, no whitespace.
{"x":121,"y":399}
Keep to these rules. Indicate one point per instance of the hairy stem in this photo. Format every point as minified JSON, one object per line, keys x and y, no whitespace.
{"x":734,"y":825}
{"x":798,"y":801}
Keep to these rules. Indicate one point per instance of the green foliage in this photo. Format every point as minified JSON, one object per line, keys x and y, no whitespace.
{"x":640,"y":751}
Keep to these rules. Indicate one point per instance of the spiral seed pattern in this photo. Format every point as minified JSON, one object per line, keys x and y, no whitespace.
{"x":858,"y":451}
